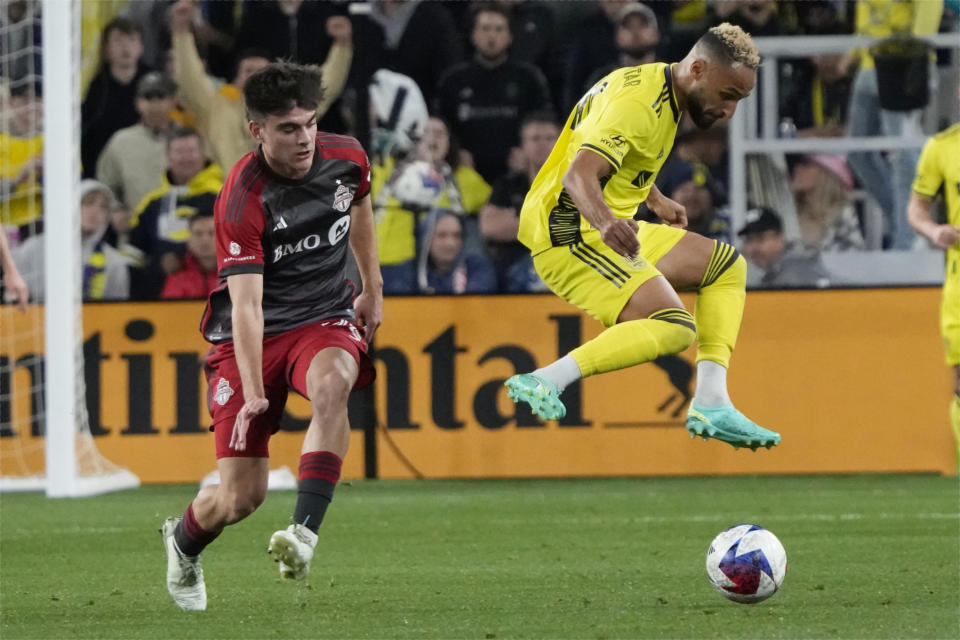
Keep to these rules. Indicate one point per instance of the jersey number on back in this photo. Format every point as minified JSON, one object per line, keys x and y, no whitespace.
{"x":583,"y":107}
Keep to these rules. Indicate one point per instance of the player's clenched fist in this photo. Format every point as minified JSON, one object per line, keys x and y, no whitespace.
{"x":340,"y":29}
{"x":946,"y":236}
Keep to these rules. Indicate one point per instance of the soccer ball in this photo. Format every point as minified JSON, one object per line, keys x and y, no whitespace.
{"x":746,"y":563}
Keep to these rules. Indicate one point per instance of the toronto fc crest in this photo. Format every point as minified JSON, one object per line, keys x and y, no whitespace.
{"x":223,"y":393}
{"x":342,"y":199}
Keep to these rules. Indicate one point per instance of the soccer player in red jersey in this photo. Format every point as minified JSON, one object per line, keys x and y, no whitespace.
{"x":284,"y":317}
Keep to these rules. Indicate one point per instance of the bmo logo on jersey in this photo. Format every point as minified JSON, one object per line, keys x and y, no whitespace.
{"x":338,"y":231}
{"x":309,"y":243}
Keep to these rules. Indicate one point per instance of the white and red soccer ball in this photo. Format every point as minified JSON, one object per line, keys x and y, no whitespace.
{"x":746,"y":563}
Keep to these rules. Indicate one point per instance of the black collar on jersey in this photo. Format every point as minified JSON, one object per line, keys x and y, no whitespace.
{"x":314,"y":168}
{"x":668,"y":77}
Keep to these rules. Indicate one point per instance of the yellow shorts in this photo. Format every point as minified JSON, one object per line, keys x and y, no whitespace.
{"x":950,"y":310}
{"x":593,"y":277}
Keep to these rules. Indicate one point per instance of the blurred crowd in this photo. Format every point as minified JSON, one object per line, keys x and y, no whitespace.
{"x":458,"y":105}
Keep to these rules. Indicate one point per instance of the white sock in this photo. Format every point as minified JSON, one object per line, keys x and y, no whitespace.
{"x":711,"y":384}
{"x":562,"y":372}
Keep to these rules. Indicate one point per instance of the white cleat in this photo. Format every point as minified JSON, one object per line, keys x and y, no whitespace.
{"x":184,"y":574}
{"x":293,"y":549}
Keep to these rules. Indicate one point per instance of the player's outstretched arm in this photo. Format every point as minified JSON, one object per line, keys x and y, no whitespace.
{"x":921,"y":220}
{"x":582,"y":182}
{"x":12,"y":279}
{"x":363,"y":242}
{"x":246,"y":296}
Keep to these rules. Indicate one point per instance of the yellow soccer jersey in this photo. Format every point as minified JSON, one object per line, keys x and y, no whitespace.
{"x":629,"y":117}
{"x":940,"y":166}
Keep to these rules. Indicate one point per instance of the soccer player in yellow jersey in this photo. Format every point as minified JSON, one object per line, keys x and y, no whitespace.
{"x":577,"y":221}
{"x":939,"y":167}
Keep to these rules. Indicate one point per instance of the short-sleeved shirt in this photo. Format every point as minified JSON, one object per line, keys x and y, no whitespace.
{"x":629,"y":117}
{"x":294,"y":232}
{"x":939,"y":166}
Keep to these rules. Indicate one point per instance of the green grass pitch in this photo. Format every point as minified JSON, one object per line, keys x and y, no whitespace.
{"x":872,"y":556}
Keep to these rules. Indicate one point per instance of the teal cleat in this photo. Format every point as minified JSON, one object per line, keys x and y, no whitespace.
{"x":728,"y":425}
{"x":542,"y":395}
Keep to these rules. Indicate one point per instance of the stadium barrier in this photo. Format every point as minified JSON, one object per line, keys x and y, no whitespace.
{"x":853,"y":379}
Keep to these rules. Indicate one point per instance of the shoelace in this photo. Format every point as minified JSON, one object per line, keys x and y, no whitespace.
{"x":302,"y":537}
{"x":191,"y":572}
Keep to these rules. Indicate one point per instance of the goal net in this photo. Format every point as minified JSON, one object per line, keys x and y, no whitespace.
{"x":45,"y":439}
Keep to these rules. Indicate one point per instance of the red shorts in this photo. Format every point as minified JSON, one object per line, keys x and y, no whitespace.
{"x":286,"y":358}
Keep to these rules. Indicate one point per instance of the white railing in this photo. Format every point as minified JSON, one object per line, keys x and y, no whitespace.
{"x":745,"y":136}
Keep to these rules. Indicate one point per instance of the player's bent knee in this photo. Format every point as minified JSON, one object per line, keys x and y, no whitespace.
{"x":738,"y":270}
{"x":333,"y":389}
{"x":726,"y":267}
{"x":678,"y":332}
{"x":680,"y":339}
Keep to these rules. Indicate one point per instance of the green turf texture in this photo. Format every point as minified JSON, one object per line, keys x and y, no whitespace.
{"x":872,"y":556}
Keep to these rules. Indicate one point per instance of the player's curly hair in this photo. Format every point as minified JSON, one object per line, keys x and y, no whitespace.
{"x":281,"y":86}
{"x":733,"y":44}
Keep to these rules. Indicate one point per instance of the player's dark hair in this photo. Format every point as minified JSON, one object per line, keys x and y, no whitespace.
{"x":281,"y":86}
{"x":488,"y":7}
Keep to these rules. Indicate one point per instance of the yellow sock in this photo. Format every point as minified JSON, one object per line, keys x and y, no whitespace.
{"x":955,"y":423}
{"x":719,"y":306}
{"x":623,"y":345}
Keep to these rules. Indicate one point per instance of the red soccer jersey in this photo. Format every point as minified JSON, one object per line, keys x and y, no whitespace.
{"x":294,"y":232}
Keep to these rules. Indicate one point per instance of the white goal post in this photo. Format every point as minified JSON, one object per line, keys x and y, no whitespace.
{"x":73,"y":467}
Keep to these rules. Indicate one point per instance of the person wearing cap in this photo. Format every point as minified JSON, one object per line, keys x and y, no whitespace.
{"x":784,"y":264}
{"x":134,"y":159}
{"x":637,"y":37}
{"x":938,"y":170}
{"x":486,"y":99}
{"x":593,"y":43}
{"x":105,"y":271}
{"x":821,"y":187}
{"x":691,"y":184}
{"x":588,"y":248}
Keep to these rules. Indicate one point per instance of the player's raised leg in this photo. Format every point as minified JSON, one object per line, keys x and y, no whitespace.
{"x":652,"y":323}
{"x":243,"y":485}
{"x":329,"y":379}
{"x":719,"y":273}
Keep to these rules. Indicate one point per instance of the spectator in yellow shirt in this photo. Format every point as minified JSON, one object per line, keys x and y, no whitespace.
{"x":887,"y":178}
{"x":221,"y":117}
